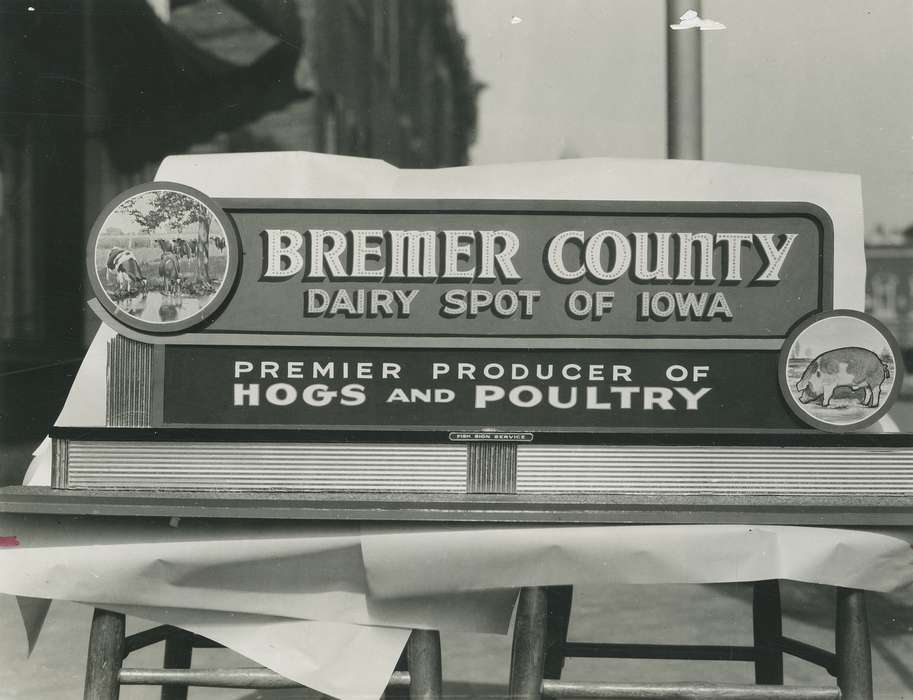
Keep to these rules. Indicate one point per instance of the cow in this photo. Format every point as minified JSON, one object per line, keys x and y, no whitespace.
{"x":181,"y":248}
{"x":852,"y":367}
{"x":126,"y":269}
{"x":166,"y":245}
{"x":170,"y":272}
{"x":112,"y":256}
{"x":220,"y":243}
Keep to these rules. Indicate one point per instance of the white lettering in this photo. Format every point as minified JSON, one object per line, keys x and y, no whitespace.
{"x":775,"y":256}
{"x":283,"y":260}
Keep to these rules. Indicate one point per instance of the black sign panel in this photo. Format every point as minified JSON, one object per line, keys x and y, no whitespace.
{"x":559,"y":391}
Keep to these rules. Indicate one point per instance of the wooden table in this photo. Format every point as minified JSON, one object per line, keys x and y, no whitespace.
{"x":860,"y":511}
{"x":540,"y":643}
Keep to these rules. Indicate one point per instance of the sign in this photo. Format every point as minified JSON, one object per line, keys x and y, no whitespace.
{"x":162,"y":258}
{"x":422,"y":269}
{"x":571,"y":392}
{"x":841,"y":370}
{"x":458,"y":318}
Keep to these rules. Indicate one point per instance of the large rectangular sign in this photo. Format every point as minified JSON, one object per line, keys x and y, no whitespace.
{"x":528,"y":269}
{"x":560,"y":353}
{"x":567,"y":318}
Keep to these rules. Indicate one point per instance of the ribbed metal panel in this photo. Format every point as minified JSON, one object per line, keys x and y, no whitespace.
{"x":714,"y":470}
{"x":491,"y":467}
{"x":129,"y":384}
{"x":266,"y":466}
{"x":59,"y":461}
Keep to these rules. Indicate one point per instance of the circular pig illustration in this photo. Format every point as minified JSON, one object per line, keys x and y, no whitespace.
{"x":856,"y":368}
{"x":839,"y":371}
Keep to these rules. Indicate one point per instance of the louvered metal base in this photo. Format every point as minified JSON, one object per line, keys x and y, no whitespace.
{"x":480,"y":468}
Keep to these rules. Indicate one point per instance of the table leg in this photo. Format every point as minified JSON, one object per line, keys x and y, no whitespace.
{"x":399,"y":692}
{"x":424,"y":657}
{"x":105,"y":657}
{"x":854,"y":653}
{"x":527,"y":660}
{"x":559,"y":599}
{"x":768,"y":629}
{"x":178,"y":654}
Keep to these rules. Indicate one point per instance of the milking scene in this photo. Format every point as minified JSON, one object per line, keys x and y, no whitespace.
{"x":456,"y":350}
{"x":161,"y":256}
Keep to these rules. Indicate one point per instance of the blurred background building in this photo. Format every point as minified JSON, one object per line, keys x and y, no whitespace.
{"x":95,"y":93}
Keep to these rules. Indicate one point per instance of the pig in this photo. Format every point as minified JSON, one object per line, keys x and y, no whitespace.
{"x":856,"y":368}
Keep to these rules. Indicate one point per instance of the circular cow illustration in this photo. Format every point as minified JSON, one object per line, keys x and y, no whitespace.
{"x":839,"y":370}
{"x":161,"y":257}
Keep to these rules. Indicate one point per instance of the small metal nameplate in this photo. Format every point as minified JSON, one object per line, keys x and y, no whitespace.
{"x":487,"y":436}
